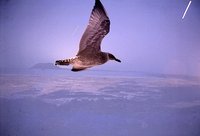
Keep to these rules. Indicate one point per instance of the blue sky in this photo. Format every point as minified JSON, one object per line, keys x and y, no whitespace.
{"x":147,"y":35}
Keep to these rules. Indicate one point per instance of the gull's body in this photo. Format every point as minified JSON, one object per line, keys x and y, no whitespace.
{"x":90,"y":53}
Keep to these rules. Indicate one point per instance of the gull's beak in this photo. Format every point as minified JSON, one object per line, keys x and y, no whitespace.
{"x":117,"y":60}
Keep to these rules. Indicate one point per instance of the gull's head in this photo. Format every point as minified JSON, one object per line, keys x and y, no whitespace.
{"x":112,"y":57}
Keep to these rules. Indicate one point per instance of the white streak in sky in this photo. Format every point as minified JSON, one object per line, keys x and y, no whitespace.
{"x":186,"y":9}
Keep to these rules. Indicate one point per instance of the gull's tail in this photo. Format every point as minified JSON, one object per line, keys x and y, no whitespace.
{"x":63,"y":62}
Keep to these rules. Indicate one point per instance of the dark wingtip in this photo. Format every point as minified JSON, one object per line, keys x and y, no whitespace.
{"x":96,"y":1}
{"x":77,"y":69}
{"x":74,"y":70}
{"x":98,"y":4}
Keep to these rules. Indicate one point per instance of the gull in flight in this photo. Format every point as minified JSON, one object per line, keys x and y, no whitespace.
{"x":90,"y":53}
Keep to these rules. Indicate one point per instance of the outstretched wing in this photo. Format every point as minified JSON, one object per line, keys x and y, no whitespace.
{"x":98,"y":27}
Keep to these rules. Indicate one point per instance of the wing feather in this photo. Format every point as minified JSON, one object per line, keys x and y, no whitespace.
{"x":97,"y":29}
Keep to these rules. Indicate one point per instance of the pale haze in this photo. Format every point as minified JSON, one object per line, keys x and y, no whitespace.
{"x":146,"y":35}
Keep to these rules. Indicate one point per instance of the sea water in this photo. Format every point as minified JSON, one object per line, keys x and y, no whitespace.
{"x":98,"y":103}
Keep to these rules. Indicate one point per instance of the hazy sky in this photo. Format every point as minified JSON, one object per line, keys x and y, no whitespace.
{"x":147,"y":35}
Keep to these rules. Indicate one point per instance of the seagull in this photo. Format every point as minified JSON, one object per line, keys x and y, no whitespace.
{"x":90,"y":53}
